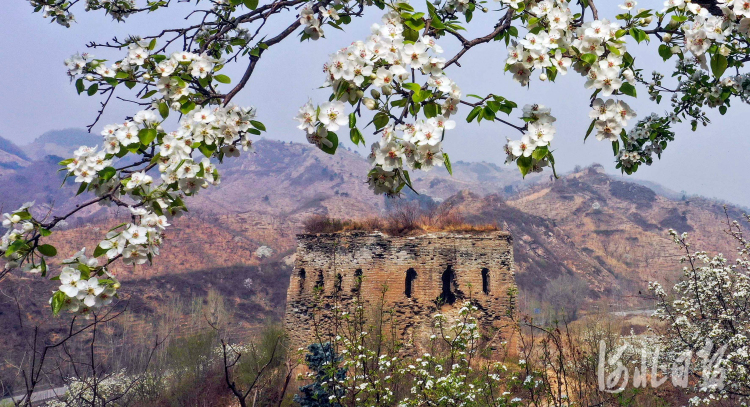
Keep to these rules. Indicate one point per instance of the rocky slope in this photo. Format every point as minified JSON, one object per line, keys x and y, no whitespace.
{"x":607,"y":231}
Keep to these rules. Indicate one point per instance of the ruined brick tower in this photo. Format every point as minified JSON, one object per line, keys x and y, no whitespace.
{"x":435,"y":272}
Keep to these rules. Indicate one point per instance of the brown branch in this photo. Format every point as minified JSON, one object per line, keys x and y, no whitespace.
{"x":501,"y":26}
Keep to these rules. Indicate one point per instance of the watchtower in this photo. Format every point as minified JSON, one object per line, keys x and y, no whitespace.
{"x":425,"y":274}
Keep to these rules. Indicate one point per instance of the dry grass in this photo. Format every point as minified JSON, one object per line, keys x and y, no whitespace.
{"x":404,"y":220}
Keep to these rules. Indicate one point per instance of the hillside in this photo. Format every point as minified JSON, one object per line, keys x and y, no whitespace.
{"x":60,"y":143}
{"x":12,"y":158}
{"x":609,"y":232}
{"x":601,"y":229}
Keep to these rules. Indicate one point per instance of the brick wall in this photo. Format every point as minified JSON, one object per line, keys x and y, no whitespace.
{"x":440,"y":268}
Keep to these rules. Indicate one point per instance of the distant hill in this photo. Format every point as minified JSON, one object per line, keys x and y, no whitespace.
{"x":12,"y":158}
{"x":9,"y":147}
{"x":61,"y":143}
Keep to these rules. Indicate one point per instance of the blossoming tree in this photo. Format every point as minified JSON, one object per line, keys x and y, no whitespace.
{"x":400,"y":74}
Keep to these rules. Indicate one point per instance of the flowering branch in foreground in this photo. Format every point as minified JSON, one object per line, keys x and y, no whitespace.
{"x":398,"y":73}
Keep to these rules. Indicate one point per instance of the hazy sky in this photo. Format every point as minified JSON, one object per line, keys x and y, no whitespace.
{"x":38,"y":96}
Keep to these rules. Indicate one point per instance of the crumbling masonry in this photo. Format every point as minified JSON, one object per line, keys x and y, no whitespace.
{"x":435,"y":272}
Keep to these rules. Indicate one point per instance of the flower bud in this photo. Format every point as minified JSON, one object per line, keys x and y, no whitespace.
{"x":485,"y":9}
{"x":369,"y":103}
{"x":675,"y":49}
{"x":28,"y":226}
{"x":647,"y":20}
{"x":375,"y":94}
{"x":175,"y":105}
{"x":15,"y":219}
{"x":116,"y":285}
{"x":628,"y":75}
{"x":543,"y":77}
{"x":90,"y":78}
{"x":724,"y":50}
{"x":667,"y":37}
{"x":352,"y":97}
{"x":387,"y":90}
{"x":146,"y":76}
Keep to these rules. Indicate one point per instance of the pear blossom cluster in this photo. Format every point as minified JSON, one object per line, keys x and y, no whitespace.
{"x":711,"y":303}
{"x":539,"y":133}
{"x":217,"y":132}
{"x":311,"y":22}
{"x":161,"y":73}
{"x":55,"y":10}
{"x":611,"y":117}
{"x":386,"y":62}
{"x":82,"y":291}
{"x":118,"y":9}
{"x":20,"y":227}
{"x":555,"y":47}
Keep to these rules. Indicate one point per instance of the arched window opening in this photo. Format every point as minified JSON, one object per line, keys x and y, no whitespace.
{"x":302,"y":275}
{"x":337,"y":283}
{"x":411,"y":275}
{"x":447,"y":296}
{"x":486,"y":281}
{"x":357,"y":280}
{"x":319,"y":281}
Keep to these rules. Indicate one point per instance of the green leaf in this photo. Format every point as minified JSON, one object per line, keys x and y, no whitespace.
{"x":638,"y":34}
{"x":222,"y":79}
{"x":163,"y":110}
{"x":665,"y":52}
{"x":148,"y":94}
{"x":99,"y":252}
{"x":722,"y":110}
{"x":380,"y":120}
{"x":616,"y":146}
{"x":414,"y":87}
{"x":107,"y":173}
{"x":474,"y":113}
{"x":92,"y":89}
{"x":420,"y":96}
{"x":80,"y":87}
{"x":251,"y":4}
{"x":334,"y":139}
{"x":207,"y":150}
{"x":679,"y":19}
{"x":589,"y":58}
{"x":356,"y":136}
{"x":47,"y":250}
{"x":719,"y":64}
{"x":85,"y":271}
{"x":430,"y":110}
{"x":44,"y":232}
{"x":147,"y":136}
{"x":258,"y":125}
{"x":448,"y":163}
{"x":524,"y":165}
{"x":82,"y":188}
{"x":539,"y":153}
{"x":58,"y":300}
{"x":14,"y":247}
{"x":187,"y":107}
{"x":591,"y":128}
{"x":65,"y":162}
{"x":628,"y":89}
{"x":352,"y":121}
